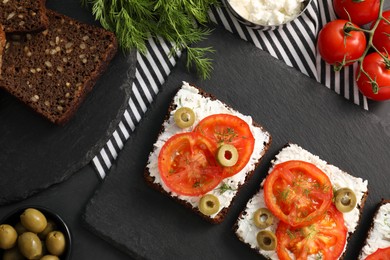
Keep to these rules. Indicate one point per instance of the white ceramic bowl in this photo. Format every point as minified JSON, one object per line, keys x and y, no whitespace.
{"x":263,"y":27}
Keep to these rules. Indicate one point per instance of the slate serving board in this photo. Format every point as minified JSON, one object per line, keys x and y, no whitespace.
{"x":292,"y":107}
{"x":35,"y":154}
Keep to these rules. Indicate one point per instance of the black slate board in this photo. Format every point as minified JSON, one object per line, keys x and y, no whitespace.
{"x":291,"y":106}
{"x":35,"y":154}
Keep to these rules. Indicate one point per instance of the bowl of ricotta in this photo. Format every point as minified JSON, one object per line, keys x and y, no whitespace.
{"x":266,"y":14}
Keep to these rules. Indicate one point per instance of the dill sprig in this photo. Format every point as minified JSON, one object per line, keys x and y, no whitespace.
{"x":182,"y":22}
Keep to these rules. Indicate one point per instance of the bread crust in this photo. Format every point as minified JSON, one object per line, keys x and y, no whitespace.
{"x":222,"y":214}
{"x":2,"y":45}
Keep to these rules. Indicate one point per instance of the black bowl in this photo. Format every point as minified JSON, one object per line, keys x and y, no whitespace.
{"x":14,"y":217}
{"x":262,"y":27}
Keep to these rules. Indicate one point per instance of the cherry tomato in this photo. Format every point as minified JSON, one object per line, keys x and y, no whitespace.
{"x":229,"y":129}
{"x":327,"y":237}
{"x":297,"y":193}
{"x":334,"y":45}
{"x":187,"y":164}
{"x":381,"y":38}
{"x":361,"y":12}
{"x":378,"y":70}
{"x":380,"y":254}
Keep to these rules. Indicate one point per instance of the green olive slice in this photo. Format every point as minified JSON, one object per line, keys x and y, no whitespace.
{"x":263,"y":218}
{"x":184,"y":117}
{"x":345,"y":200}
{"x":227,"y":155}
{"x":266,"y":240}
{"x":209,"y":204}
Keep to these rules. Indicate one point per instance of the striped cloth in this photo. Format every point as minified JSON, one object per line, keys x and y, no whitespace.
{"x":295,"y":45}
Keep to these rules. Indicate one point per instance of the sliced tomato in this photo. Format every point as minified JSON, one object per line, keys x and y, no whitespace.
{"x":380,"y":254}
{"x":326,"y":237}
{"x":229,"y":129}
{"x":297,"y":193}
{"x":188,"y":166}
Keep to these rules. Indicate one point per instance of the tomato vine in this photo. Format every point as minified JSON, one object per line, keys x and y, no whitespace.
{"x":384,"y":55}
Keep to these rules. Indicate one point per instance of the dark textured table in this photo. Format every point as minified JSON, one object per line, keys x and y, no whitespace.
{"x":70,"y":198}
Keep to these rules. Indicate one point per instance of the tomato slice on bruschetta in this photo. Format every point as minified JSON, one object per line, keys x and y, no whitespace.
{"x":325,"y":238}
{"x":380,"y":254}
{"x":187,"y":164}
{"x":297,"y":193}
{"x":226,"y":129}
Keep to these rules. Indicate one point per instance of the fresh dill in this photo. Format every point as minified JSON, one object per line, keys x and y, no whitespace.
{"x":225,"y":187}
{"x":181,"y":22}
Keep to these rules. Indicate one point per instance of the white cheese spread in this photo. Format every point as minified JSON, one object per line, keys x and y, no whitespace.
{"x":246,"y":227}
{"x":379,"y":235}
{"x":266,"y":12}
{"x":189,"y":96}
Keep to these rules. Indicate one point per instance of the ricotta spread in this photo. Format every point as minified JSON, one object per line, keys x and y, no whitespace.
{"x":189,"y":96}
{"x":379,"y":235}
{"x":266,"y":12}
{"x":247,"y":230}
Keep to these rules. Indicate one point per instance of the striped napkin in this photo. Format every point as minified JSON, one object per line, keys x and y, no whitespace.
{"x":295,"y":45}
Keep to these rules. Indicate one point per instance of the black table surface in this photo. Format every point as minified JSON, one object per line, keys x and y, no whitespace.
{"x":70,"y":198}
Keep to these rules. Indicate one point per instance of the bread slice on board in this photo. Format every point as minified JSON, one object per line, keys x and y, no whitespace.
{"x":245,"y":228}
{"x":52,"y":71}
{"x":205,"y":104}
{"x":19,"y":16}
{"x":378,"y":236}
{"x":2,"y":45}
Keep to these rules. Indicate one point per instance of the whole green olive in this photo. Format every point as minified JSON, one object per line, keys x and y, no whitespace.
{"x":33,"y":220}
{"x":51,"y":226}
{"x":29,"y":245}
{"x":8,"y":236}
{"x":345,"y":200}
{"x":184,"y":117}
{"x":55,"y":243}
{"x":263,"y":218}
{"x":266,"y":240}
{"x":50,"y":257}
{"x":209,"y":204}
{"x":20,"y":229}
{"x":227,"y":155}
{"x":13,"y":254}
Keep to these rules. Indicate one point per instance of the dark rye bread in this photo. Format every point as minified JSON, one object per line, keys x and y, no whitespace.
{"x":371,"y":229}
{"x":52,"y":71}
{"x":2,"y":45}
{"x":245,"y":213}
{"x":18,"y":16}
{"x":221,"y":215}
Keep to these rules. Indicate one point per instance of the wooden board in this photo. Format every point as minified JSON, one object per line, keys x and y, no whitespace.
{"x":34,"y":153}
{"x":292,"y":107}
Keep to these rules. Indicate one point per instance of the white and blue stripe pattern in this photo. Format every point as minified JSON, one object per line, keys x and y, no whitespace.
{"x":295,"y":44}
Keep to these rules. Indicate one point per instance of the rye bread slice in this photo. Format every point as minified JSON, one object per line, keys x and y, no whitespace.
{"x":375,"y":239}
{"x":52,"y":71}
{"x":19,"y":16}
{"x":159,"y":185}
{"x":245,"y":219}
{"x":2,"y":45}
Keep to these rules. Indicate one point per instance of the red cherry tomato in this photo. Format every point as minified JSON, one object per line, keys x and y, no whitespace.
{"x":380,"y":254}
{"x":379,"y":71}
{"x":326,"y":237}
{"x":229,"y":129}
{"x":187,"y":164}
{"x":297,"y":193}
{"x":334,"y":45}
{"x":360,"y":12}
{"x":381,"y":38}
